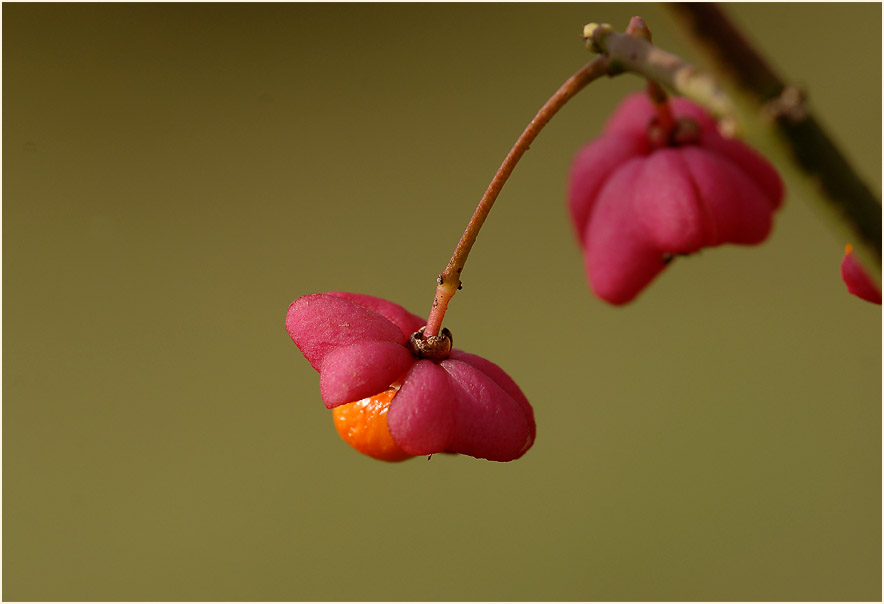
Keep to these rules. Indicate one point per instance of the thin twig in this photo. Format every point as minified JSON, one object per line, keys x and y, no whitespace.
{"x":813,"y":150}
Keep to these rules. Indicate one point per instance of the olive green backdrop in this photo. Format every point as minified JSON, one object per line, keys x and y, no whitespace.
{"x":175,"y":175}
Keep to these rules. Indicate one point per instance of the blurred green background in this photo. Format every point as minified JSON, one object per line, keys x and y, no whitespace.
{"x":175,"y":175}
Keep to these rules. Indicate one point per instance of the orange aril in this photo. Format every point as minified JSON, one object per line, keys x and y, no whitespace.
{"x":363,"y":425}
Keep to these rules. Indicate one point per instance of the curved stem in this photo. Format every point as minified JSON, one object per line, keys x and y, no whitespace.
{"x":449,"y":281}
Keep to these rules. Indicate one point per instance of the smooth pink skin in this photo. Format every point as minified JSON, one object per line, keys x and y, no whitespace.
{"x":404,"y":320}
{"x":737,"y":209}
{"x":465,"y":404}
{"x":592,"y":166}
{"x":689,"y":198}
{"x":502,"y":379}
{"x":351,"y":373}
{"x":667,"y":204}
{"x":758,"y":169}
{"x":659,"y":202}
{"x":421,"y":417}
{"x":620,"y":260}
{"x":858,"y":281}
{"x":455,"y":407}
{"x":489,"y":422}
{"x":357,"y":351}
{"x":319,"y":323}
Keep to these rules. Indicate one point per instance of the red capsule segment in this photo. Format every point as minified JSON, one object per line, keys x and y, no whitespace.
{"x":637,"y":200}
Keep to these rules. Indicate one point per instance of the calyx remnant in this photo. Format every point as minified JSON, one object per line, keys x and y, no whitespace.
{"x":685,"y":132}
{"x":433,"y":348}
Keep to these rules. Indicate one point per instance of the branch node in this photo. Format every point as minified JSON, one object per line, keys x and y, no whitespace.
{"x":790,"y":106}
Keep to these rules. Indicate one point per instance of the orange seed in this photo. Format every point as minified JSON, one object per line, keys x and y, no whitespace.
{"x":363,"y":425}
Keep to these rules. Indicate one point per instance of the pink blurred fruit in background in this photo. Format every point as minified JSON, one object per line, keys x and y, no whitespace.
{"x":639,"y":196}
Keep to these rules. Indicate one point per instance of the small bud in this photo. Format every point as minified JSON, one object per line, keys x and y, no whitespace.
{"x":594,"y":34}
{"x":637,"y":28}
